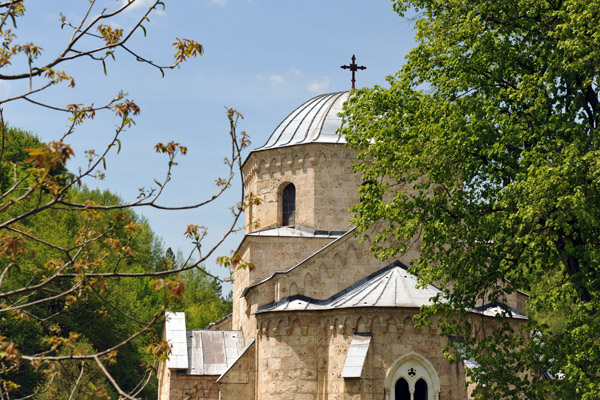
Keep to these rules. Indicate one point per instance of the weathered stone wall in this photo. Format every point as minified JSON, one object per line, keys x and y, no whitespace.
{"x":239,"y":381}
{"x":322,"y":175}
{"x":288,"y":365}
{"x":302,"y":355}
{"x":333,"y":269}
{"x":241,"y":280}
{"x":223,"y":325}
{"x":164,"y":381}
{"x":268,"y":255}
{"x":187,"y":387}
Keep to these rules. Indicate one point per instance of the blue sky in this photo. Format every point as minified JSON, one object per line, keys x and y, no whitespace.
{"x":262,"y":57}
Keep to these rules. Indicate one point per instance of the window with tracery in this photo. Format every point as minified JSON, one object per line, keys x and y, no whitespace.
{"x":421,"y":390}
{"x":288,"y":200}
{"x":402,"y":390}
{"x":412,"y":377}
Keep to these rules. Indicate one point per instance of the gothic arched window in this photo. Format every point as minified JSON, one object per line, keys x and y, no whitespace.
{"x":288,"y":201}
{"x":402,"y":390}
{"x":421,"y":390}
{"x":412,"y":377}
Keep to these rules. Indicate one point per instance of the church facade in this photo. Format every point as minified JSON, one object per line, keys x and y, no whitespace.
{"x":318,"y":317}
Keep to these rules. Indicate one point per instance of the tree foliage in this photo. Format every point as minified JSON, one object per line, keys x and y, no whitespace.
{"x":486,"y":148}
{"x":83,"y":281}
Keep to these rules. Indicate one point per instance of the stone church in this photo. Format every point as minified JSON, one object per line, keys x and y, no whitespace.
{"x":318,"y":317}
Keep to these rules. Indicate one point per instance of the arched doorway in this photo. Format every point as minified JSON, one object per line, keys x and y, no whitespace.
{"x":412,"y":377}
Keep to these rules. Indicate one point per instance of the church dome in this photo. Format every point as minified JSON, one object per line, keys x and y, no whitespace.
{"x":315,"y":121}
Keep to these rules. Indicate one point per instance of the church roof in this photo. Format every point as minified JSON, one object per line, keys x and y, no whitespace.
{"x":391,"y":286}
{"x":200,"y":352}
{"x":315,"y":121}
{"x":297,"y":231}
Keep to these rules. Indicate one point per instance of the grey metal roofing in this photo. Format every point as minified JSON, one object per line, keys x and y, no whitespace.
{"x":296,"y":231}
{"x":175,"y":335}
{"x":315,"y":121}
{"x":200,"y":352}
{"x":391,"y":286}
{"x":212,"y":352}
{"x":357,"y":355}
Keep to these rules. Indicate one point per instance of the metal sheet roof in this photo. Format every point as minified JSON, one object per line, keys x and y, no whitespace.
{"x":357,"y":355}
{"x":315,"y":121}
{"x":200,"y":352}
{"x":212,"y":352}
{"x":297,"y":231}
{"x":391,"y":286}
{"x":175,"y":335}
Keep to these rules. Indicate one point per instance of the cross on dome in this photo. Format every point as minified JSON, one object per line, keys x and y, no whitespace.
{"x":353,"y":67}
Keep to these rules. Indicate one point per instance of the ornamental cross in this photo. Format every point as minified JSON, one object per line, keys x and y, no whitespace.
{"x":353,"y":67}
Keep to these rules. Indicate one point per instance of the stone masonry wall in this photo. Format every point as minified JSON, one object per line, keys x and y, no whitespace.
{"x":239,"y":381}
{"x":268,"y":254}
{"x":301,"y":356}
{"x":187,"y":387}
{"x":325,"y":185}
{"x":340,"y":265}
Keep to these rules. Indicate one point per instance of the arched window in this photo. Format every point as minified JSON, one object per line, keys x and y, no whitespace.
{"x":402,"y":390}
{"x":288,"y":201}
{"x":421,"y":390}
{"x":412,"y":377}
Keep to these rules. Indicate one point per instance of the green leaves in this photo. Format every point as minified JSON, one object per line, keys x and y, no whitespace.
{"x":486,"y":147}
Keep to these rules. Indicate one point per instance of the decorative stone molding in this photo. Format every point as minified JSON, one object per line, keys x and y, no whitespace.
{"x":412,"y":367}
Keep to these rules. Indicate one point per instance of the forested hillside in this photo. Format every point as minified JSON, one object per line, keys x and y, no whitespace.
{"x":98,"y":313}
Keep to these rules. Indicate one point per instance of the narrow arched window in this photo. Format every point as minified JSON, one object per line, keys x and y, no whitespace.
{"x":289,"y":205}
{"x":421,"y":390}
{"x":402,"y":391}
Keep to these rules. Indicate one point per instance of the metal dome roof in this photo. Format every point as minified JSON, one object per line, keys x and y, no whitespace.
{"x":315,"y":121}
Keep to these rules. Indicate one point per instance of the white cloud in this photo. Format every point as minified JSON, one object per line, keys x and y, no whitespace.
{"x":219,"y":2}
{"x":293,"y":72}
{"x":319,"y":86}
{"x":276,"y":79}
{"x":138,"y":4}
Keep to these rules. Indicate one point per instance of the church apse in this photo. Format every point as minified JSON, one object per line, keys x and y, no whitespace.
{"x":319,"y":316}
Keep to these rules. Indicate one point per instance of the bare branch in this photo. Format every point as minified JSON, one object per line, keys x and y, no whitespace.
{"x":81,"y":369}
